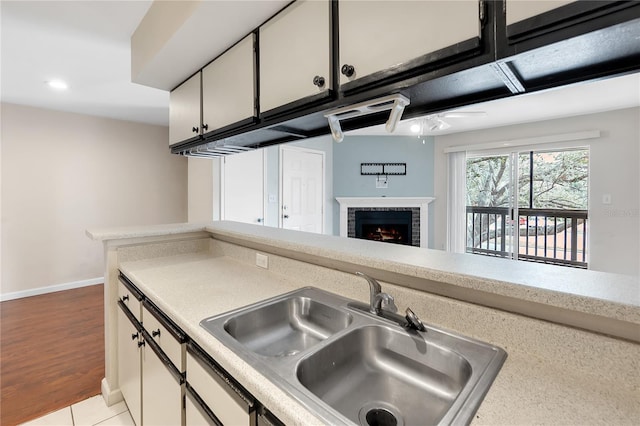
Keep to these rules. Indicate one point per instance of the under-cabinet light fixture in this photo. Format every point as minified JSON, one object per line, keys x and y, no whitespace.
{"x":395,"y":103}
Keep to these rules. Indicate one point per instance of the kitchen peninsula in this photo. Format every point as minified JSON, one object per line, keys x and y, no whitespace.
{"x":571,"y":335}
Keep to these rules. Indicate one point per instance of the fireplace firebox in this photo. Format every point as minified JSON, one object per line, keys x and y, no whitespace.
{"x":391,"y":226}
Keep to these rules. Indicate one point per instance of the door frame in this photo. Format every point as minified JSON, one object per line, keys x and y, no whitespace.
{"x":281,"y":181}
{"x":264,"y":186}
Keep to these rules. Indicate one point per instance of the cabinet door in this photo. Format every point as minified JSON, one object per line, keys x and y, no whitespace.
{"x":162,"y":394}
{"x":129,"y":367}
{"x":217,"y":394}
{"x":184,"y":110}
{"x":228,"y":87}
{"x":294,"y":50}
{"x":379,"y":35}
{"x":519,"y":10}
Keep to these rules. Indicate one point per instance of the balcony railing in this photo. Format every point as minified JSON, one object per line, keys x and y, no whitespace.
{"x":544,"y":235}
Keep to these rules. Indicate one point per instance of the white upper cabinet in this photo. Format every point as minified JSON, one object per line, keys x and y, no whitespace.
{"x":295,"y":52}
{"x":379,"y":35}
{"x":228,"y":87}
{"x":519,"y":10}
{"x":184,"y":110}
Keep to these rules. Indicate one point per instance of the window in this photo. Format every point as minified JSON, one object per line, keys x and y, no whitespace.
{"x":529,"y":206}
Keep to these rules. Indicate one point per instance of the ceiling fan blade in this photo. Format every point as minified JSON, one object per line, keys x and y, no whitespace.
{"x":462,"y":114}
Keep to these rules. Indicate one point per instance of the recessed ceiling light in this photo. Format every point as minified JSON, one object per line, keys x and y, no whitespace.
{"x":415,"y":128}
{"x":57,"y":84}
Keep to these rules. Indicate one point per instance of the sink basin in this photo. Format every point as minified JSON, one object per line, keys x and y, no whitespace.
{"x":375,"y":373}
{"x":286,"y":327}
{"x":348,"y":366}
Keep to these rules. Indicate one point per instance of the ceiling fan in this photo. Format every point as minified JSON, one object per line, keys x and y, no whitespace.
{"x":437,"y":122}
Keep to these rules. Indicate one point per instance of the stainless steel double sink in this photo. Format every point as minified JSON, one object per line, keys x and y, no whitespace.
{"x":348,"y":366}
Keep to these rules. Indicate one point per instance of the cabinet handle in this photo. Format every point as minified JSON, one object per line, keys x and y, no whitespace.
{"x":155,"y":333}
{"x":125,"y":298}
{"x":134,"y":336}
{"x":205,"y":127}
{"x":318,"y":81}
{"x":348,"y":70}
{"x":141,"y":343}
{"x":194,"y":129}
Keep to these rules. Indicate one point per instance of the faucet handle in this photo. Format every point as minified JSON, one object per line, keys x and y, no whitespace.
{"x":389,"y":304}
{"x":386,"y":302}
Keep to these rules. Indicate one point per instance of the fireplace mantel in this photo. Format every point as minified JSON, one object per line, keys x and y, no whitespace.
{"x":401,"y":202}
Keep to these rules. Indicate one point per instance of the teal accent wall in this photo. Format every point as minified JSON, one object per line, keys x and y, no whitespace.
{"x":418,"y":182}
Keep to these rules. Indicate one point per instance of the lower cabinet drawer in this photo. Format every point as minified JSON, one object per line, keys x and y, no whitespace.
{"x":228,"y":403}
{"x":196,"y":411}
{"x":161,"y":335}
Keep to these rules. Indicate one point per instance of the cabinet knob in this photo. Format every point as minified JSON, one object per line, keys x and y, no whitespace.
{"x":318,"y":81}
{"x":205,"y":127}
{"x":285,"y":216}
{"x":348,"y":70}
{"x":125,"y":298}
{"x":141,"y":344}
{"x":194,"y":129}
{"x":134,"y":336}
{"x":155,"y":333}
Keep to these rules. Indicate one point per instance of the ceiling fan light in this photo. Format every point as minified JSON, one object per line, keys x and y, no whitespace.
{"x":57,"y":84}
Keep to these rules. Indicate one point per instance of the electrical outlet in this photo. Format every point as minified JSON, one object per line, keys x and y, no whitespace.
{"x":262,"y":260}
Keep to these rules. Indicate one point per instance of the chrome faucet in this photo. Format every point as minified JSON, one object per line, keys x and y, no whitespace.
{"x":377,"y":297}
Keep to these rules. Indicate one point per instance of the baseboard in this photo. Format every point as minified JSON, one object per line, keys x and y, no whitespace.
{"x":50,"y":289}
{"x":110,"y":396}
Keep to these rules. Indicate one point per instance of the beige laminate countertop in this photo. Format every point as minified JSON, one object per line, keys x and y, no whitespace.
{"x":528,"y":390}
{"x":602,"y":295}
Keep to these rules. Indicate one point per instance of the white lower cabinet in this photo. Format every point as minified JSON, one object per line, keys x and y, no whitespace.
{"x":196,"y":411}
{"x":161,"y":388}
{"x":226,"y":400}
{"x":129,"y":362}
{"x":168,"y":380}
{"x":151,"y":383}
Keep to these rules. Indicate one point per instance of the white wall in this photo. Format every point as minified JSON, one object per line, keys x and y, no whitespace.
{"x":204,"y":189}
{"x":614,"y":169}
{"x":63,"y":173}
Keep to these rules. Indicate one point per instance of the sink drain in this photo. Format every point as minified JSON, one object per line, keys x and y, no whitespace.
{"x":377,"y":413}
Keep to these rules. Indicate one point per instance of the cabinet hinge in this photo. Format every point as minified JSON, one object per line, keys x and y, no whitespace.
{"x":482,"y":13}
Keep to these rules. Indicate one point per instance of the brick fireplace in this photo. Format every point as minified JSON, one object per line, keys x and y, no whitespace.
{"x":399,"y":220}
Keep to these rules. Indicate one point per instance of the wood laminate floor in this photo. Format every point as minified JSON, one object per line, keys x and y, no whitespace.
{"x":51,"y":352}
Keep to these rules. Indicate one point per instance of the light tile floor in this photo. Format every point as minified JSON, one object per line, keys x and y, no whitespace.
{"x":90,"y":412}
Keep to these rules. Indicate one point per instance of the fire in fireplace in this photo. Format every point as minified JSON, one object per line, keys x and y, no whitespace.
{"x":391,"y":226}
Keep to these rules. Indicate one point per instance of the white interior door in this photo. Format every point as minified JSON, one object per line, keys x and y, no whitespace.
{"x":302,"y":188}
{"x":243,"y":187}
